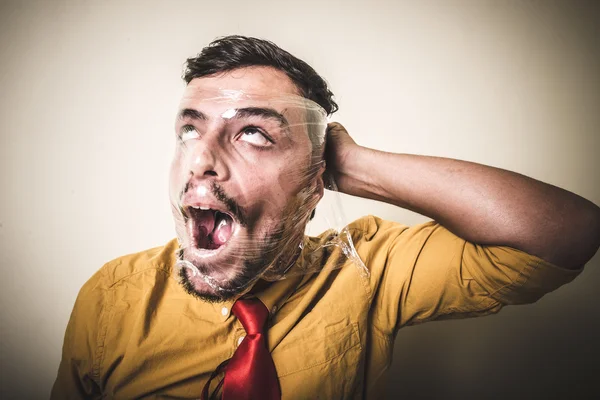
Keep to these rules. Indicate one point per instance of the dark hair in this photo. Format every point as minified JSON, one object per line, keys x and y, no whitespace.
{"x":232,"y":52}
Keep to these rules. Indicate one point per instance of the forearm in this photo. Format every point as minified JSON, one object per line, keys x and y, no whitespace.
{"x":479,"y":203}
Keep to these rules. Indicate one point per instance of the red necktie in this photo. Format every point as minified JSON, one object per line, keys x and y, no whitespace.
{"x":250,"y":374}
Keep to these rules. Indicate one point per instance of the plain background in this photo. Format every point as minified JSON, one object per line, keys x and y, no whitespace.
{"x":89,"y":91}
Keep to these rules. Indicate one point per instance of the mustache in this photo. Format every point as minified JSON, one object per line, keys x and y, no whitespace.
{"x":230,"y":204}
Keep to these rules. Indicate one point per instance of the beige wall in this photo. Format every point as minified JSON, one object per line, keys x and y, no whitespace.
{"x":89,"y":91}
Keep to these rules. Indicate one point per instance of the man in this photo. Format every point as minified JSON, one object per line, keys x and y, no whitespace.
{"x":497,"y":238}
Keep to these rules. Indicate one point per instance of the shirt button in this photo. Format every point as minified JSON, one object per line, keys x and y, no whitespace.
{"x":224,"y":311}
{"x":274,"y":310}
{"x":240,"y":340}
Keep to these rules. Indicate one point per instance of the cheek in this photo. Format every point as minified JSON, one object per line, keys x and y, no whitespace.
{"x":272,"y":188}
{"x":264,"y":187}
{"x":178,"y":169}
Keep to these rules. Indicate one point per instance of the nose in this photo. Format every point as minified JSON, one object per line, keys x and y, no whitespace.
{"x":206,"y":160}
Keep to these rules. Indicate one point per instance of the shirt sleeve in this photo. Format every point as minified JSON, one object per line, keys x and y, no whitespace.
{"x":425,"y":273}
{"x":79,"y":369}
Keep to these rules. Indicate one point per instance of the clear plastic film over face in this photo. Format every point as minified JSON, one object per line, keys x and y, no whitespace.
{"x":245,"y":180}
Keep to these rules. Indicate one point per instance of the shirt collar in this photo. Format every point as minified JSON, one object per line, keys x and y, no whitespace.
{"x":277,"y":292}
{"x":272,"y":294}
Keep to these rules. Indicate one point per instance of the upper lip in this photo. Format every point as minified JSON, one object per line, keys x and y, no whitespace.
{"x":205,"y":204}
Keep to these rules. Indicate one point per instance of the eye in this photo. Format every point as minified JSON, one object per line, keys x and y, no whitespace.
{"x":255,"y":136}
{"x":188,"y":132}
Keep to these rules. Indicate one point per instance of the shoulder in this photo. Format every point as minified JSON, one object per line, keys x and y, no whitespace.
{"x":151,"y":261}
{"x":379,"y":242}
{"x":369,"y":238}
{"x":371,"y":227}
{"x":370,"y":233}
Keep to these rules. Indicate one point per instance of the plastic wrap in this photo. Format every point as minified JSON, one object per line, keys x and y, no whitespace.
{"x":245,"y":181}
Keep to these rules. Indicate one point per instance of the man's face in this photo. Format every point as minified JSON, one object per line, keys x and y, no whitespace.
{"x":244,"y":179}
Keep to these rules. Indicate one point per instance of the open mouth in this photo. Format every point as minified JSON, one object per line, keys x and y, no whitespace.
{"x":209,"y":228}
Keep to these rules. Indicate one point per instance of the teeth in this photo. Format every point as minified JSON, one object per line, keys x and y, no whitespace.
{"x":200,"y":207}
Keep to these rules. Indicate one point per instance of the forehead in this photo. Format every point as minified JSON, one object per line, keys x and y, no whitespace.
{"x":262,"y":82}
{"x":253,"y":92}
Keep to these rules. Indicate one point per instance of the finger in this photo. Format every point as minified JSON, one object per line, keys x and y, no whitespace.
{"x":335,"y":126}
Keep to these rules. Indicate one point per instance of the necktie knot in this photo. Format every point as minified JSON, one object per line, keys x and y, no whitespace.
{"x":252,"y":314}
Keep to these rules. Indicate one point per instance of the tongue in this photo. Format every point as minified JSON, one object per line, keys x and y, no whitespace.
{"x":222,"y":232}
{"x":206,"y":221}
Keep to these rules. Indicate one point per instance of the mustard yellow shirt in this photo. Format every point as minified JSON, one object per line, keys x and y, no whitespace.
{"x":135,"y":333}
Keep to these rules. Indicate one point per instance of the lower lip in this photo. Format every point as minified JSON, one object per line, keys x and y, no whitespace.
{"x":206,"y":253}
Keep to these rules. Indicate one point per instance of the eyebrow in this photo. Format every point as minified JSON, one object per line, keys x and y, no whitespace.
{"x":263,"y":112}
{"x":192,"y":114}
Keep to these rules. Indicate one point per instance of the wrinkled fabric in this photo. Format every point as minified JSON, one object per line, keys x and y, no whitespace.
{"x":135,"y":333}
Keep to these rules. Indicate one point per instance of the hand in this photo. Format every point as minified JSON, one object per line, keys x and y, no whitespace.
{"x":338,"y":152}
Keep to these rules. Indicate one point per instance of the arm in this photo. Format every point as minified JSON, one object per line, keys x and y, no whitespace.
{"x":77,"y":376}
{"x":481,"y":204}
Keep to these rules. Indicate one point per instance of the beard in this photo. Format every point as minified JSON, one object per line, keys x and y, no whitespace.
{"x":266,"y":249}
{"x":274,"y":255}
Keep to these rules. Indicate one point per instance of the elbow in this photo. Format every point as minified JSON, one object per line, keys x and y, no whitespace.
{"x":574,"y":241}
{"x":586,"y":236}
{"x":595,"y":230}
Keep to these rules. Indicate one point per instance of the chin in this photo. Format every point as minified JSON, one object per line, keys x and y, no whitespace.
{"x":219,"y":260}
{"x":201,"y":287}
{"x":218,"y":275}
